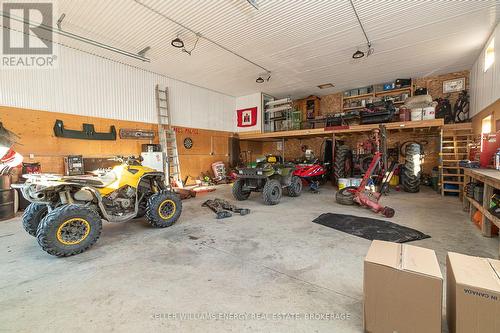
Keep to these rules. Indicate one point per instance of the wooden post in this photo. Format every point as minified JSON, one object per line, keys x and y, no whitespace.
{"x":465,"y":202}
{"x":486,"y":225}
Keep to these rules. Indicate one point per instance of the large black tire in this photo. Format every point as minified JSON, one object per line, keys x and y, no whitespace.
{"x":164,"y":209}
{"x":238,"y":192}
{"x":271,"y":193}
{"x":32,"y":216}
{"x":69,"y":230}
{"x":343,"y":162}
{"x":295,"y":187}
{"x":345,"y":196}
{"x":411,"y":172}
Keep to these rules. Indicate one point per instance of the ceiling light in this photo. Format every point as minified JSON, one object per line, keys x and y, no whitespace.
{"x":264,"y":77}
{"x":358,"y":54}
{"x":177,"y":42}
{"x":326,"y":86}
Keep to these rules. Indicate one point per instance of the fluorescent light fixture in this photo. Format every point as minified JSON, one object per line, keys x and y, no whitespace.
{"x":326,"y":85}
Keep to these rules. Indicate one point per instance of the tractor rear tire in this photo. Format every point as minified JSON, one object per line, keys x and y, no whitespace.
{"x":32,"y":216}
{"x":295,"y":187}
{"x":164,"y":209}
{"x":412,"y":170}
{"x":69,"y":230}
{"x":343,"y":162}
{"x":271,"y":193}
{"x":345,"y":196}
{"x":238,"y":192}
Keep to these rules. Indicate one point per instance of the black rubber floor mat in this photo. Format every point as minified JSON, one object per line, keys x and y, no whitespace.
{"x":370,"y":228}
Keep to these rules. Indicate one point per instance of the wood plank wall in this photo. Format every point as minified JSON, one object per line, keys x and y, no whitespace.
{"x":35,"y":129}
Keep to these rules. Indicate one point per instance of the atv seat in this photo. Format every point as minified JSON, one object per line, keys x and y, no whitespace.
{"x":92,"y":180}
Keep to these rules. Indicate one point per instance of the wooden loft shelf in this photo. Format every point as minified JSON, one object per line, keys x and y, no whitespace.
{"x":354,"y":108}
{"x":358,"y":96}
{"x":323,"y":132}
{"x":393,"y":91}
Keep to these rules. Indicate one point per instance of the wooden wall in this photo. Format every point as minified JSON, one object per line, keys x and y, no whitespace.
{"x":35,"y":129}
{"x":494,"y":111}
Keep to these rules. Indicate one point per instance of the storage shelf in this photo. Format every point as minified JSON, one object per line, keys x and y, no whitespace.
{"x":393,"y":91}
{"x":358,"y":96}
{"x":354,"y":108}
{"x":425,"y":125}
{"x":485,"y":212}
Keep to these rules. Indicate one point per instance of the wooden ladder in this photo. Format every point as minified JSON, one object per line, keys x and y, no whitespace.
{"x":456,"y":140}
{"x":168,"y":141}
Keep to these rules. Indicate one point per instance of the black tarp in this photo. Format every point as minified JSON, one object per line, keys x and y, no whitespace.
{"x":369,"y":228}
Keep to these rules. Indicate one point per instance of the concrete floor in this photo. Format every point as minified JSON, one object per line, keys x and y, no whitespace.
{"x":272,"y":261}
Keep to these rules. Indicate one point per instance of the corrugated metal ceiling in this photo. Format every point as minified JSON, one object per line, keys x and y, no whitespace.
{"x":303,"y":43}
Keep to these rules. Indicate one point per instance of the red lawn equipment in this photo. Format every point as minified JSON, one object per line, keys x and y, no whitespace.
{"x":364,"y":196}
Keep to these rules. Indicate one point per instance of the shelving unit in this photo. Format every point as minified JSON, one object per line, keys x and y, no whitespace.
{"x":278,"y":115}
{"x":375,"y":95}
{"x":491,"y":180}
{"x":455,"y":146}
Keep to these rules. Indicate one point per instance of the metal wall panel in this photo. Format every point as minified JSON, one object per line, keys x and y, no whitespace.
{"x":303,"y":43}
{"x":84,"y":84}
{"x":485,"y":86}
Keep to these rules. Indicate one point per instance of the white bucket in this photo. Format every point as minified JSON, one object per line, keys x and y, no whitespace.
{"x":344,"y":182}
{"x":416,"y":114}
{"x":355,"y":181}
{"x":429,"y":113}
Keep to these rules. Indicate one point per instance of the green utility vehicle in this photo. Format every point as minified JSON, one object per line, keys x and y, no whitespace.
{"x":269,"y":176}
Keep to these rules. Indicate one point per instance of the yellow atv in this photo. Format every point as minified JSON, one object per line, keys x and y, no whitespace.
{"x":66,"y":211}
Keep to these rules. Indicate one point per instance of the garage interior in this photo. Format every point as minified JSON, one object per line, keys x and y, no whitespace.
{"x":250,"y":165}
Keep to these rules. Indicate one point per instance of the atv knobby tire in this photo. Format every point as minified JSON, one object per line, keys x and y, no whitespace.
{"x":271,"y":193}
{"x":69,"y":230}
{"x":345,"y":196}
{"x":411,"y":172}
{"x":238,"y":192}
{"x":32,"y":216}
{"x":343,"y":162}
{"x":164,"y":209}
{"x":295,"y":187}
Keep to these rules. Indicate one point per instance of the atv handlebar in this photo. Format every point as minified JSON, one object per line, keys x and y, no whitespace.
{"x":129,"y":160}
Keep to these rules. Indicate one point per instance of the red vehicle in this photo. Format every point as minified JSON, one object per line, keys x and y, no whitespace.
{"x":312,"y":171}
{"x":309,"y":173}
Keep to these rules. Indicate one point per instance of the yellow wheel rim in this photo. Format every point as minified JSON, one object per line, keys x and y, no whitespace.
{"x":167,"y":209}
{"x":73,"y":231}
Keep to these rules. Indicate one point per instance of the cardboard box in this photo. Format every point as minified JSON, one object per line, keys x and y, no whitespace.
{"x":403,"y":289}
{"x":472,"y":294}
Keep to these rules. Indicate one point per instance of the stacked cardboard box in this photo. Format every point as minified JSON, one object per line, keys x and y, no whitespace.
{"x":472,"y":294}
{"x":402,"y":289}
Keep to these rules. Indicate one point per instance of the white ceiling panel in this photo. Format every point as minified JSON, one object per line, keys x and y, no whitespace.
{"x":303,"y":43}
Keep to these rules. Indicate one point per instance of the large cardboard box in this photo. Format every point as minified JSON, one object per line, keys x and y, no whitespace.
{"x":472,"y":294}
{"x":403,"y":289}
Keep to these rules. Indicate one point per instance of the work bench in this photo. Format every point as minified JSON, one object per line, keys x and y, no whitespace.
{"x":491,"y":180}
